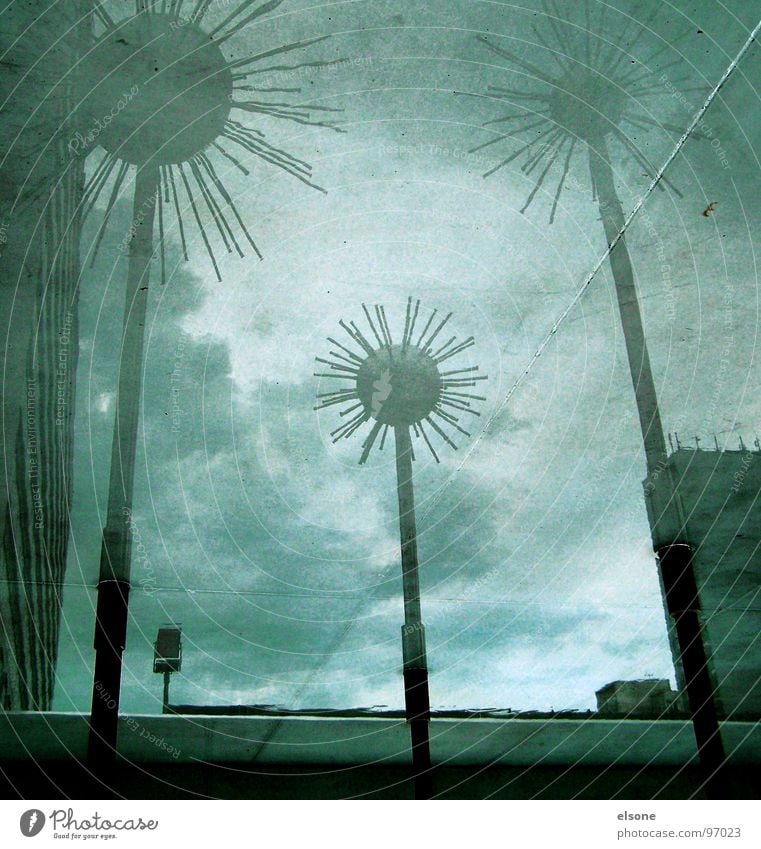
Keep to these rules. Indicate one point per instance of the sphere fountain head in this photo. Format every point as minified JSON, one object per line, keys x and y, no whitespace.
{"x":400,"y":385}
{"x":161,"y":92}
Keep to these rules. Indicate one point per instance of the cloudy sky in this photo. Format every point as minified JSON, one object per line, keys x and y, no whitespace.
{"x":276,"y":551}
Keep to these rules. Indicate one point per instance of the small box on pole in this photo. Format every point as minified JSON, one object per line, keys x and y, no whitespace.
{"x":167,"y":656}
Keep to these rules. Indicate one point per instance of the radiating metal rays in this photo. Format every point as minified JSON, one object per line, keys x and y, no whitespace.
{"x":201,"y":188}
{"x":221,"y":31}
{"x":590,"y":91}
{"x":192,"y":192}
{"x":399,"y":384}
{"x":299,"y":113}
{"x":195,"y":12}
{"x":254,"y":142}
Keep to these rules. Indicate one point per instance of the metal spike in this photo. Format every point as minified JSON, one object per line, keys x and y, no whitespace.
{"x":425,"y":329}
{"x":344,"y":348}
{"x":372,"y":326}
{"x":351,"y":409}
{"x":351,"y":362}
{"x":337,"y":366}
{"x":450,"y":419}
{"x":459,"y":407}
{"x":440,"y":432}
{"x":368,"y":443}
{"x":228,"y":200}
{"x":177,"y":212}
{"x":459,"y":370}
{"x":198,"y":221}
{"x":437,"y":331}
{"x":343,"y":427}
{"x":406,"y":322}
{"x":443,"y":347}
{"x":468,"y":343}
{"x":428,"y":443}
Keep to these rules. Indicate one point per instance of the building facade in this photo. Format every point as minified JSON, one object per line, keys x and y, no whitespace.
{"x":645,"y":698}
{"x":41,"y":193}
{"x":720,"y":501}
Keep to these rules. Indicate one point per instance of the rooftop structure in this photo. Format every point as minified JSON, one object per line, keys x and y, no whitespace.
{"x":650,"y":698}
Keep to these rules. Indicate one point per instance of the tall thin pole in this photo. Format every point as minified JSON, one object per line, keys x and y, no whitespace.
{"x":114,"y":580}
{"x":165,"y":703}
{"x":675,"y":556}
{"x":628,"y":304}
{"x":417,"y":702}
{"x":683,"y":603}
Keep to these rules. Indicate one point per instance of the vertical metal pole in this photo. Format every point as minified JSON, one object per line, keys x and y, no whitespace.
{"x":683,"y":603}
{"x":628,"y":305}
{"x":114,"y":580}
{"x":417,"y":702}
{"x":674,"y":556}
{"x":165,"y":705}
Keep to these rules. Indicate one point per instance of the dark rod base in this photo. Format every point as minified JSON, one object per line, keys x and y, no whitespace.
{"x":683,"y":602}
{"x":421,"y":759}
{"x":110,"y":637}
{"x":418,"y":714}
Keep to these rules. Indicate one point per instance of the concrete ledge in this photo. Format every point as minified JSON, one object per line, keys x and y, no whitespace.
{"x":383,"y":741}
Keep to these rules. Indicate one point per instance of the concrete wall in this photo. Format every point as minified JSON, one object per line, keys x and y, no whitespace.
{"x":320,"y":758}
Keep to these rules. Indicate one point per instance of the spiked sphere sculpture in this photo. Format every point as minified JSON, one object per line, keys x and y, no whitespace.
{"x":160,"y":95}
{"x":592,"y":92}
{"x":402,"y":386}
{"x":592,"y":95}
